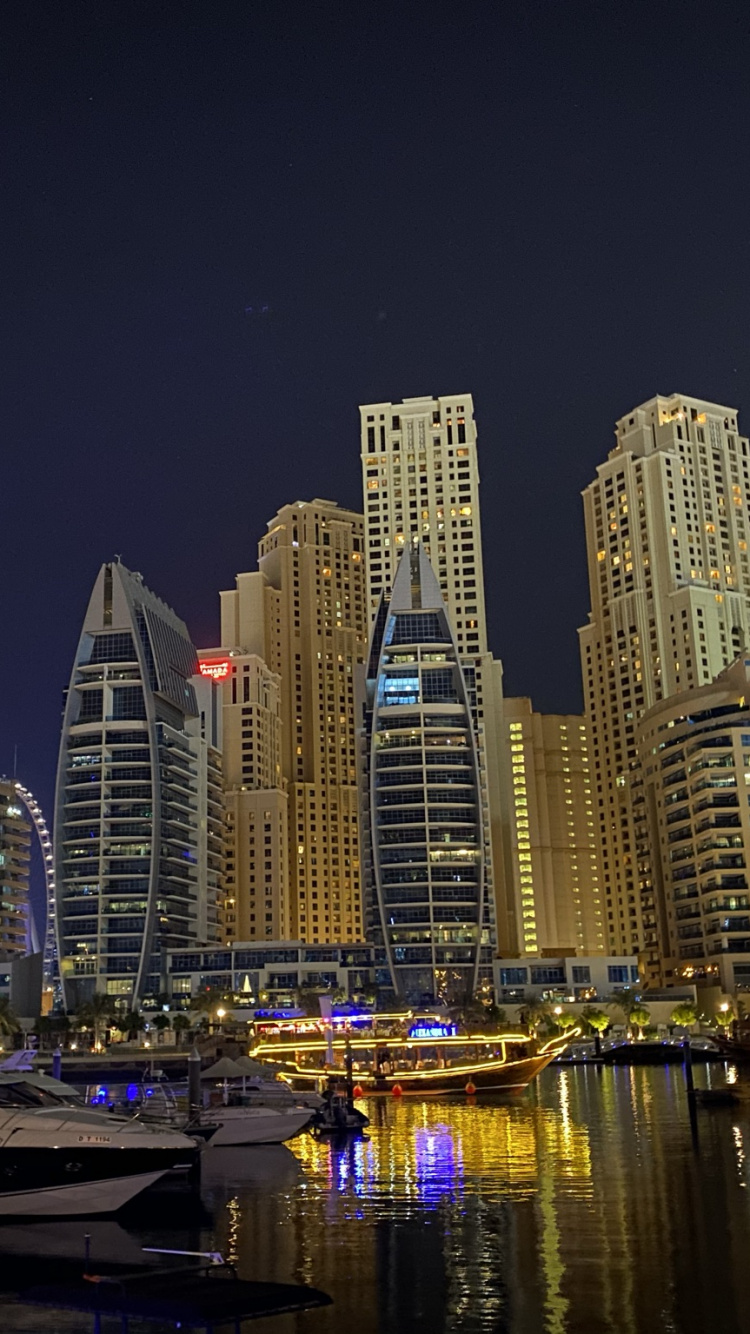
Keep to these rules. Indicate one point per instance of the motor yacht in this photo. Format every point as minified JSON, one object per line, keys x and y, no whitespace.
{"x":59,"y":1158}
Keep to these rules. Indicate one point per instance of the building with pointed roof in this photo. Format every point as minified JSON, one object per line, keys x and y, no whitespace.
{"x":426,"y":895}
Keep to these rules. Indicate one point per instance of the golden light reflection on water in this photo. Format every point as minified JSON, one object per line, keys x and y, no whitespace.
{"x":579,"y":1209}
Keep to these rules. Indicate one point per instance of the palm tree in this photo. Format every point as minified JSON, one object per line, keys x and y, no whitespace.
{"x":160,"y":1022}
{"x":94,"y":1012}
{"x":598,"y":1021}
{"x":180,"y":1025}
{"x":9,"y":1024}
{"x":725,"y":1015}
{"x":639,"y":1017}
{"x":624,"y":999}
{"x":534,"y":1015}
{"x":130,"y":1023}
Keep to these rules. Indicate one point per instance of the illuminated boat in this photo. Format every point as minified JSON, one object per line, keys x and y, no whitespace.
{"x":427,"y":1056}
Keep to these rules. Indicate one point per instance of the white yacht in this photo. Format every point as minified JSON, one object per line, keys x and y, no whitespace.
{"x":59,"y":1158}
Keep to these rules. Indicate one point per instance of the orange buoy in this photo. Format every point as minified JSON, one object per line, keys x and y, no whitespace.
{"x":397,"y":1091}
{"x":357,"y":1091}
{"x":471,"y":1088}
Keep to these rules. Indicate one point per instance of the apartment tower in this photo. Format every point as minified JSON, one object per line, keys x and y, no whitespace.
{"x":138,"y":840}
{"x":304,"y":614}
{"x":551,"y":841}
{"x":15,"y":859}
{"x":666,"y":536}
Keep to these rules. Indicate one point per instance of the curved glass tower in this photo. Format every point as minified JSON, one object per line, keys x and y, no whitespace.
{"x":425,"y":815}
{"x":138,"y":817}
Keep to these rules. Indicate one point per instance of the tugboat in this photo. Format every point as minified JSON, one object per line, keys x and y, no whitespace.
{"x":409,"y":1054}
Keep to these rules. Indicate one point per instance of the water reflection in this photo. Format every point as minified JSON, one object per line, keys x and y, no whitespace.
{"x":581,"y":1209}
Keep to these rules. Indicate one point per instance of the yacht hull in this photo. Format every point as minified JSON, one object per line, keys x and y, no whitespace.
{"x":80,"y":1199}
{"x":239,"y":1126}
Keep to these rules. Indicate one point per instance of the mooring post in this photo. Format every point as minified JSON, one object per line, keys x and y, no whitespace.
{"x":194,"y":1081}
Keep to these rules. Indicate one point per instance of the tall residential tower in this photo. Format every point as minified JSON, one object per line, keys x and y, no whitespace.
{"x":303,"y":613}
{"x":138,"y":840}
{"x":666,"y":535}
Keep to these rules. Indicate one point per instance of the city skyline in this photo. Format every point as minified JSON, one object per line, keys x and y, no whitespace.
{"x":211,"y":261}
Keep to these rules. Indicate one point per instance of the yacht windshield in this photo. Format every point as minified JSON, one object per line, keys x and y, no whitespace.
{"x":27,"y":1095}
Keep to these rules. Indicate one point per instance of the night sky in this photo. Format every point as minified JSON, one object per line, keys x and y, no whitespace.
{"x":225,"y":225}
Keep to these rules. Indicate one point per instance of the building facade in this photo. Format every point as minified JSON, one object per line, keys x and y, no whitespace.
{"x":551,"y":836}
{"x":304,"y":614}
{"x":270,"y":973}
{"x":15,"y":857}
{"x":567,"y":978}
{"x":666,"y":537}
{"x":420,"y":479}
{"x":138,"y":839}
{"x":428,"y":911}
{"x":694,"y":752}
{"x":256,"y":902}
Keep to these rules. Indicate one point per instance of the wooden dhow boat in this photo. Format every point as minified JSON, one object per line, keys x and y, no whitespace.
{"x":406,"y":1055}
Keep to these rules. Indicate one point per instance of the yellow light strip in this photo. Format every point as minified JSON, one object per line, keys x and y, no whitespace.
{"x":325,"y":1072}
{"x":356,"y":1044}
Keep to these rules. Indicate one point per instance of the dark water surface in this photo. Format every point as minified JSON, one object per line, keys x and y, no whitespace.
{"x":584,"y":1207}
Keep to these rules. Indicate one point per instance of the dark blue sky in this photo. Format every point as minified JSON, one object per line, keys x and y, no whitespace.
{"x":545,"y":205}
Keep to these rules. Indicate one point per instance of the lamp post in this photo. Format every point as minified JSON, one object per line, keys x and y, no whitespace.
{"x":220,"y":1015}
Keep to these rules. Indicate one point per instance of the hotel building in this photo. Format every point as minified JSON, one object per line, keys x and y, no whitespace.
{"x":138,"y":842}
{"x":666,"y":536}
{"x":303,"y":614}
{"x":551,"y":839}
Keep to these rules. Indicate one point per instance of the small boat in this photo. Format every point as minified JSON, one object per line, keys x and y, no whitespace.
{"x":58,"y":1158}
{"x":338,"y":1115}
{"x":409,"y":1054}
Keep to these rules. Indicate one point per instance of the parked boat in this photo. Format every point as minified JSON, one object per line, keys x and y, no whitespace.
{"x":408,"y":1054}
{"x":59,"y":1158}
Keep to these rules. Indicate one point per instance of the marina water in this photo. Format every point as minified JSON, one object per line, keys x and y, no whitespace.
{"x":584,"y":1207}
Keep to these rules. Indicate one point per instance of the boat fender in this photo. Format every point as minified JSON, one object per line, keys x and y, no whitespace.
{"x":397,"y":1091}
{"x":357,"y":1091}
{"x":471,"y":1088}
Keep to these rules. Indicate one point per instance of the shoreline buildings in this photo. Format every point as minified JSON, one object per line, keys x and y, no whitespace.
{"x":138,"y":841}
{"x":667,"y":545}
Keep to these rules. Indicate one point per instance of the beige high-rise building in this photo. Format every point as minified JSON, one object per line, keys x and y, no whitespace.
{"x":304,"y":614}
{"x":551,"y":840}
{"x":15,"y":854}
{"x":420,"y":477}
{"x":666,"y":536}
{"x":256,"y":903}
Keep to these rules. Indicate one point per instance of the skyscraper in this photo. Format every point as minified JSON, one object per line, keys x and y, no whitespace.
{"x":427,"y":910}
{"x":666,"y":536}
{"x":256,"y":904}
{"x":303,"y":613}
{"x":420,"y":478}
{"x":138,"y":839}
{"x":552,"y":839}
{"x":15,"y":855}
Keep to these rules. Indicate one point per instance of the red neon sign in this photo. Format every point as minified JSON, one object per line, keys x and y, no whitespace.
{"x":218,"y":669}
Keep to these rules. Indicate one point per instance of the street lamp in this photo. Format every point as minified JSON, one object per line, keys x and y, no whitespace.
{"x":558,"y":1009}
{"x":220,"y":1015}
{"x":724,"y":1006}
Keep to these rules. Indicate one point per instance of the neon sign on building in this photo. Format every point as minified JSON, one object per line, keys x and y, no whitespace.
{"x":217,"y":669}
{"x":433,"y":1031}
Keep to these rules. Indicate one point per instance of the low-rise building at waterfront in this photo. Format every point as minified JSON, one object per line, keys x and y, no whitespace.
{"x":572,"y":978}
{"x":272,"y":971}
